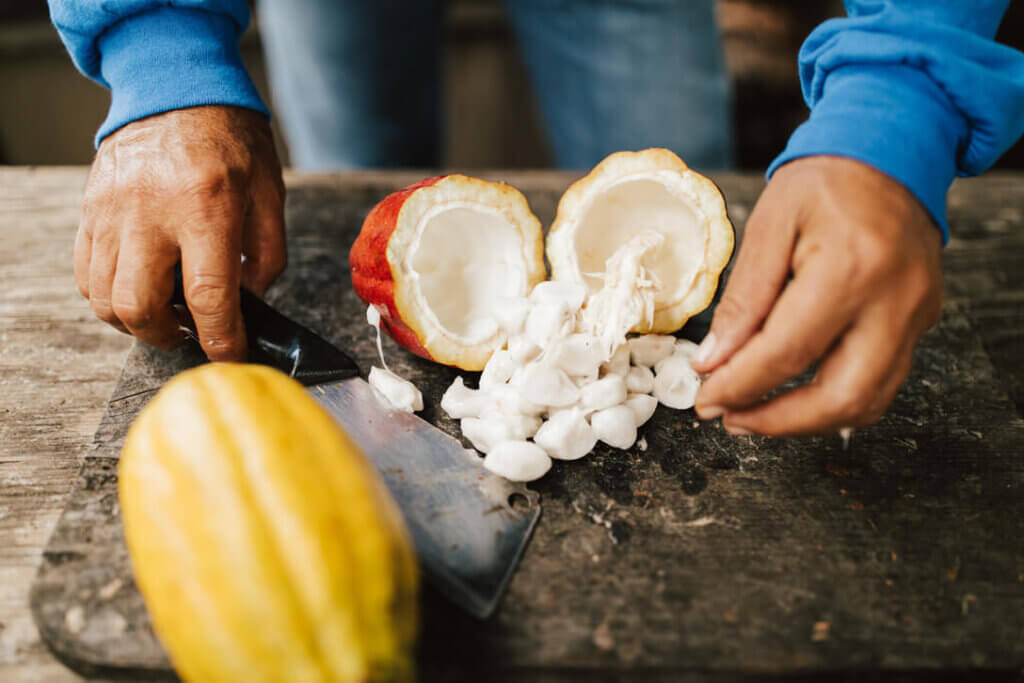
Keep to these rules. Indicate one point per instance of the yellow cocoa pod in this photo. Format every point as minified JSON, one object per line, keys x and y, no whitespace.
{"x":263,"y":541}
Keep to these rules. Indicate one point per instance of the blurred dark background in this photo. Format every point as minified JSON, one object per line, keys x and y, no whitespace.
{"x":48,"y":111}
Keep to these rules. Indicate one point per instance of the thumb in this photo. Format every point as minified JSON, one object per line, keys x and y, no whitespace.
{"x":756,"y":280}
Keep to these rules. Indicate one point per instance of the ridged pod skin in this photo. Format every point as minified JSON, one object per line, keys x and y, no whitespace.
{"x":264,"y":543}
{"x":380,"y":275}
{"x":371,"y":273}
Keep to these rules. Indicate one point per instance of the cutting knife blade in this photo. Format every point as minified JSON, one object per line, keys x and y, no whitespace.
{"x":469,"y":536}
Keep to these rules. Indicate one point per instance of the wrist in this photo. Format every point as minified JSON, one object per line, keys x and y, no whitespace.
{"x":172,"y":58}
{"x":893,"y":118}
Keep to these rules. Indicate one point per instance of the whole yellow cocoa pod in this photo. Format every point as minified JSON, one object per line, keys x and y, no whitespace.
{"x":263,"y":541}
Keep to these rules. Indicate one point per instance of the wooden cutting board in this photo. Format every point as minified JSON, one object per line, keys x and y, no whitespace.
{"x":701,"y":556}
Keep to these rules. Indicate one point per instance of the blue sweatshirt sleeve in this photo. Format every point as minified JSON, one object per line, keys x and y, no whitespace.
{"x":156,"y":55}
{"x":916,"y":88}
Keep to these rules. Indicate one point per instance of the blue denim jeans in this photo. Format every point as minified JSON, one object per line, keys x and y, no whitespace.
{"x":357,"y":82}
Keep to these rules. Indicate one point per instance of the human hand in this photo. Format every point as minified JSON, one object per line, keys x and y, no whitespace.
{"x":201,"y":185}
{"x":864,"y":256}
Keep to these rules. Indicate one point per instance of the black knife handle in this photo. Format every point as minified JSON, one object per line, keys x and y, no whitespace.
{"x":280,"y":342}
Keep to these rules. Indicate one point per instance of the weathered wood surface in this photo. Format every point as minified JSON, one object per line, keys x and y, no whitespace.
{"x":704,"y":553}
{"x":57,"y":367}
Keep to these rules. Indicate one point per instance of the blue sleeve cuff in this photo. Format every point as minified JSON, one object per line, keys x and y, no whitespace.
{"x":172,"y":58}
{"x":892,"y":117}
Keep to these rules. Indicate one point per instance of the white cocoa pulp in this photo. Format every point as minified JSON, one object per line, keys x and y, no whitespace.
{"x":627,"y":297}
{"x":548,"y":386}
{"x":373,"y":318}
{"x":640,"y":380}
{"x":522,"y":350}
{"x":510,"y":400}
{"x":498,"y":370}
{"x":510,"y":312}
{"x":400,"y":393}
{"x":618,"y":364}
{"x":485,"y":432}
{"x":548,"y":321}
{"x":578,"y":355}
{"x":603,"y":393}
{"x":460,"y":401}
{"x":684,"y":348}
{"x":647,"y":350}
{"x":517,"y":427}
{"x":518,"y":461}
{"x":676,"y":383}
{"x":643,"y":407}
{"x":566,"y":435}
{"x":571,"y":295}
{"x":568,"y":376}
{"x":615,"y":426}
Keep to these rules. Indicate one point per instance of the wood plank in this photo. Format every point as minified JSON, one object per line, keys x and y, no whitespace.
{"x":39,"y":304}
{"x":57,"y":367}
{"x":706,"y":553}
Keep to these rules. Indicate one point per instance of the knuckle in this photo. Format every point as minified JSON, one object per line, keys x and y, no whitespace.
{"x":102,"y":309}
{"x":130,"y":310}
{"x":874,"y":257}
{"x":207,"y":295}
{"x":793,"y":359}
{"x":99,"y":188}
{"x":167,"y":343}
{"x":96,"y":194}
{"x":276,"y":262}
{"x":212,"y":181}
{"x":923,"y":292}
{"x":730,"y":308}
{"x":917,"y":284}
{"x":900,"y":374}
{"x":872,"y":415}
{"x":128,"y":182}
{"x":277,"y":182}
{"x":850,"y":406}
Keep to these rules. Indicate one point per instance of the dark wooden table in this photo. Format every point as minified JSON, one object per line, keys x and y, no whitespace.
{"x":707,"y":558}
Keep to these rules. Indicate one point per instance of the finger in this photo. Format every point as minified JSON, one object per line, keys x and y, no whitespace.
{"x":143,"y":285}
{"x":756,"y":280}
{"x":853,"y":387}
{"x":102,"y":263}
{"x":97,"y":204}
{"x":811,"y":313}
{"x":263,"y":242}
{"x":211,"y":273}
{"x":814,"y":409}
{"x":82,"y":257}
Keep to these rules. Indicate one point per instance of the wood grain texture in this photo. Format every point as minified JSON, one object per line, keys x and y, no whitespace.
{"x":705,"y":554}
{"x":56,"y":368}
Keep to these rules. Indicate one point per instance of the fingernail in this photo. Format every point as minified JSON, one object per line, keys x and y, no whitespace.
{"x":738,"y":431}
{"x":706,"y":348}
{"x":710,"y":412}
